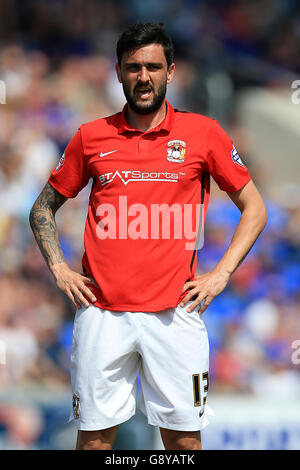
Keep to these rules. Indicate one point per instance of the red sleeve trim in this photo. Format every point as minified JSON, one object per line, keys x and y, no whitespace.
{"x":240,"y":186}
{"x":61,"y":189}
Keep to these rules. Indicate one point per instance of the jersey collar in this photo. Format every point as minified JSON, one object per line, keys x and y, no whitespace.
{"x":165,"y":125}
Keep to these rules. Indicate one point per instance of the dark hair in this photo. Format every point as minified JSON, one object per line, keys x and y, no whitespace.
{"x":141,"y":34}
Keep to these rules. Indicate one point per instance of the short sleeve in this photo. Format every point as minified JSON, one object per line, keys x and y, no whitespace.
{"x":223,"y":161}
{"x":70,"y":176}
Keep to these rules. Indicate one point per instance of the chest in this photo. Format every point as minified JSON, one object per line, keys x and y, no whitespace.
{"x":150,"y":161}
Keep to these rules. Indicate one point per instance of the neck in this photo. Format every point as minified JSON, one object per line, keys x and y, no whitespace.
{"x":144,"y":122}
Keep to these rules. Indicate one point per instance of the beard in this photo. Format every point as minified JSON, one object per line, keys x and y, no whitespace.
{"x":147,"y":108}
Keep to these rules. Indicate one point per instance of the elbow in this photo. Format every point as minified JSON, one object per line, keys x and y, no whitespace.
{"x":257,"y":216}
{"x":31,"y":217}
{"x":263,"y":217}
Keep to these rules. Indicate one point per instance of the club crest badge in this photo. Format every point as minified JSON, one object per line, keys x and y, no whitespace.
{"x":60,"y":163}
{"x":176,"y":151}
{"x":76,"y":401}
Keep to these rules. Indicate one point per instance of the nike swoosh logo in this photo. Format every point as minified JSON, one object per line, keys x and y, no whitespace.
{"x":107,"y":153}
{"x":201,"y":413}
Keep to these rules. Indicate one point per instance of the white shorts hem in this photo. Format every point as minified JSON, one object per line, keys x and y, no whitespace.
{"x":103,"y":425}
{"x":176,"y":427}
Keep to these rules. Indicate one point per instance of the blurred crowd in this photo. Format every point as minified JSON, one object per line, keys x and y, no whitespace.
{"x":57,"y":61}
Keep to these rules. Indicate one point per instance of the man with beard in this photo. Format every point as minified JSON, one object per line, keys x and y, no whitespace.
{"x":139,"y":301}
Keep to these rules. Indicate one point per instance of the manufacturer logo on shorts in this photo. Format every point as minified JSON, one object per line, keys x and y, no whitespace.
{"x":176,"y":151}
{"x":76,"y":401}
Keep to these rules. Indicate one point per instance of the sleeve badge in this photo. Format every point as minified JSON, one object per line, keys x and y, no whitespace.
{"x":60,"y":163}
{"x":235,"y":157}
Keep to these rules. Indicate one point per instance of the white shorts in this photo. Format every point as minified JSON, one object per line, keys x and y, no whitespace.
{"x":169,"y":350}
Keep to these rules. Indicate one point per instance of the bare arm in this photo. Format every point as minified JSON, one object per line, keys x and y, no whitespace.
{"x":43,"y":225}
{"x":252,"y":222}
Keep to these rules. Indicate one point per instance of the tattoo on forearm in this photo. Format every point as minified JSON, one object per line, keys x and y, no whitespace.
{"x":43,"y":225}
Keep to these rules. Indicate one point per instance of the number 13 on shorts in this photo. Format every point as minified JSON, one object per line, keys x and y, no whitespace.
{"x":198,"y":399}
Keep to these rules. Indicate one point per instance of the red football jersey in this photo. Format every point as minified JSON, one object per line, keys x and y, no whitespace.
{"x":148,"y":202}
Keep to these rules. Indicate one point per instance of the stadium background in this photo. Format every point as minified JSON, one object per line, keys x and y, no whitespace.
{"x":236,"y":61}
